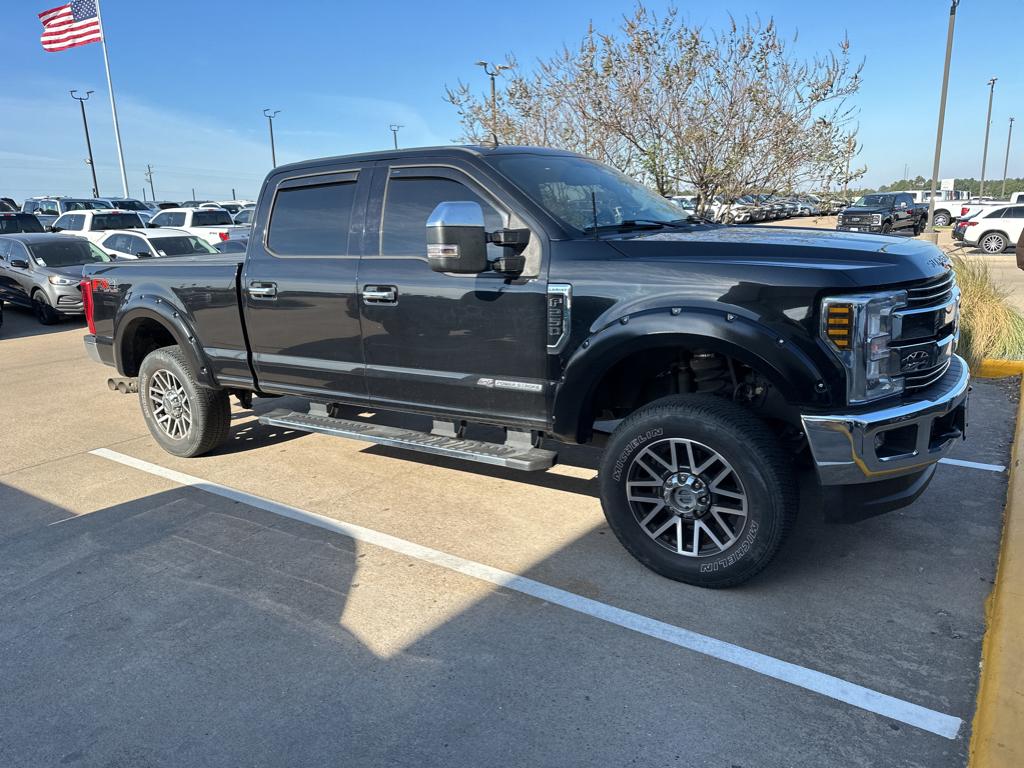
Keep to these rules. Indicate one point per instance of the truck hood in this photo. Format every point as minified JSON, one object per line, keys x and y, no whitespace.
{"x":810,"y":257}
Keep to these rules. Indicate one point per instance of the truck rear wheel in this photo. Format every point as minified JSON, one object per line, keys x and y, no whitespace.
{"x":185,"y":418}
{"x":698,"y":490}
{"x":941,"y":219}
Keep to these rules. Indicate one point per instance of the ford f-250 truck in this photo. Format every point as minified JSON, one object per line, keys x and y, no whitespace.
{"x":535,"y":294}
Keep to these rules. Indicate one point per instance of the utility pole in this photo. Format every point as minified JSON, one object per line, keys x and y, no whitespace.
{"x":1006,"y":162}
{"x":942,"y":118}
{"x":394,"y":132}
{"x":270,"y":122}
{"x":149,"y":178}
{"x":492,"y":71}
{"x":988,"y":124}
{"x":88,"y":142}
{"x":193,"y":193}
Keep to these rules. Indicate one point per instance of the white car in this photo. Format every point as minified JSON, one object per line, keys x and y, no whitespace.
{"x":231,"y":206}
{"x":94,"y":224}
{"x":153,"y":243}
{"x":994,"y":229}
{"x":214,"y":225}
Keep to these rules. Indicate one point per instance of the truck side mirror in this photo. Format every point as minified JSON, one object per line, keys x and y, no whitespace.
{"x":457,"y":238}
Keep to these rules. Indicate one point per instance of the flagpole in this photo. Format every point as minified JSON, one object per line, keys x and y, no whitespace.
{"x":113,"y":105}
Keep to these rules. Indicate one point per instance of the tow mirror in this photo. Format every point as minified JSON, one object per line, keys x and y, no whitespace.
{"x":457,"y":238}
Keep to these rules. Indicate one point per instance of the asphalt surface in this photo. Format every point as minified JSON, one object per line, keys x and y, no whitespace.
{"x":143,"y":623}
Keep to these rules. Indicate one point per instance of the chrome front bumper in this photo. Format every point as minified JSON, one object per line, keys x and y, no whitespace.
{"x":871,"y":446}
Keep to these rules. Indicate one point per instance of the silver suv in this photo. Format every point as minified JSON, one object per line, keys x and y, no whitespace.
{"x":42,"y":272}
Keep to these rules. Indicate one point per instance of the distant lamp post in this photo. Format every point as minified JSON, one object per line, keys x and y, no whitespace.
{"x":942,"y":119}
{"x":270,"y":122}
{"x":88,"y":142}
{"x":988,"y":124}
{"x":1006,"y":162}
{"x":492,"y":71}
{"x":395,"y":128}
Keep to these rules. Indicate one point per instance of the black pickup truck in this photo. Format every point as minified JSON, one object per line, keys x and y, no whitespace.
{"x":884,"y":212}
{"x":512,"y":299}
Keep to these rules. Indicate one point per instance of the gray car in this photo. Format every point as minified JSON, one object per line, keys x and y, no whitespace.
{"x":42,"y":272}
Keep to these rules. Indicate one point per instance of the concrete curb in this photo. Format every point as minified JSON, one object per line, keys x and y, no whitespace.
{"x":997,"y":736}
{"x":997,"y":369}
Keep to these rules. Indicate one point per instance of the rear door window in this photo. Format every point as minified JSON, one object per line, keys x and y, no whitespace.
{"x":312,"y":219}
{"x":208,"y":218}
{"x":170,"y":219}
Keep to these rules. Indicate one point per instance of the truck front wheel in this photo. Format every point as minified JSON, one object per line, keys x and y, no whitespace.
{"x":698,"y":489}
{"x":185,"y":418}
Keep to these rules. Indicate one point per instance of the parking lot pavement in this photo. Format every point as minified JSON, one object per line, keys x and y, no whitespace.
{"x":148,"y":622}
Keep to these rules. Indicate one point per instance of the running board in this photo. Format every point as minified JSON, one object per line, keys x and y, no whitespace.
{"x":514,"y":455}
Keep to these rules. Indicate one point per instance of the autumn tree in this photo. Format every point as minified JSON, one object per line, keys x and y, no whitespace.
{"x":674,"y":105}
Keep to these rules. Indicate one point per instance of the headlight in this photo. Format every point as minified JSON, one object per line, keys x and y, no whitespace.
{"x":876,"y":219}
{"x":859,"y":329}
{"x":59,"y":280}
{"x":839,"y":217}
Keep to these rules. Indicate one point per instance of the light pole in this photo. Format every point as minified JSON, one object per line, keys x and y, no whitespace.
{"x":988,"y":124}
{"x":149,"y":178}
{"x":88,"y":142}
{"x":1006,"y":162}
{"x":492,"y":71}
{"x":394,"y":128}
{"x":270,"y":121}
{"x":942,"y":117}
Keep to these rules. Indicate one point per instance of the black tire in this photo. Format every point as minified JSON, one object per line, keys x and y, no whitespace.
{"x":43,"y":309}
{"x":918,"y":228}
{"x":941,"y":219}
{"x":886,"y":228}
{"x":209,"y":410}
{"x":762,"y":471}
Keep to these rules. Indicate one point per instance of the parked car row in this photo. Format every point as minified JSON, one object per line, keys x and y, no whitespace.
{"x":754,"y":208}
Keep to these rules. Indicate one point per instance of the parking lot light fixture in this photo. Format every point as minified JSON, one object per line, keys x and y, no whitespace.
{"x":1006,"y":161}
{"x":988,"y":125}
{"x":492,"y":71}
{"x":88,"y":142}
{"x":394,"y":128}
{"x":942,"y":116}
{"x":270,"y":122}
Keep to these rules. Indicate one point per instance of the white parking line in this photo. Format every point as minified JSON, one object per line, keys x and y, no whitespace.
{"x":973,"y":465}
{"x":834,"y":687}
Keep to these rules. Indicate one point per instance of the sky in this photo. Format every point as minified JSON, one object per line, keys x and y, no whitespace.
{"x":192,"y":78}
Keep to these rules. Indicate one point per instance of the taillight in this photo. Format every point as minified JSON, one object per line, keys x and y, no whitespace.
{"x":223,"y":235}
{"x":87,"y":286}
{"x":963,"y":211}
{"x":970,"y":223}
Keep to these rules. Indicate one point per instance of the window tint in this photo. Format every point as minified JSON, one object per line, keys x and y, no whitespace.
{"x":68,"y":252}
{"x":136,"y":244}
{"x":172,"y":219}
{"x":998,"y":213}
{"x":19,"y":222}
{"x":64,"y":222}
{"x":181,"y":245}
{"x":48,"y":208}
{"x":101,"y":221}
{"x":312,"y":221}
{"x":1017,"y":212}
{"x":411,"y":201}
{"x":114,"y":243}
{"x":211,"y":218}
{"x":5,"y":249}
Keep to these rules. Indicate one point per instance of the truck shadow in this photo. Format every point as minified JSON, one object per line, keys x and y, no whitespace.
{"x":20,"y":323}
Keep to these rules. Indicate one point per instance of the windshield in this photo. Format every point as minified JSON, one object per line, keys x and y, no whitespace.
{"x":181,"y":245}
{"x":130,"y":205}
{"x":101,"y":221}
{"x":67,"y":253}
{"x":581,"y":194}
{"x":206,"y":218}
{"x":873,"y":201}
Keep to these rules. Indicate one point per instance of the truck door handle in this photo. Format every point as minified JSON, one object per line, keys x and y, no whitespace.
{"x":380,"y":294}
{"x":263,"y":290}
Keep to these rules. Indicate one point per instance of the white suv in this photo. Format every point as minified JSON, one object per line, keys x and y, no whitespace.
{"x":994,"y":229}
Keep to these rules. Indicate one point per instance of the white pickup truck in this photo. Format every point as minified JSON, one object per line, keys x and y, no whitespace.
{"x":214,"y":225}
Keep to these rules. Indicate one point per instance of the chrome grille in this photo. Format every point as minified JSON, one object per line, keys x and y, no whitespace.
{"x":929,"y":322}
{"x":935,"y":291}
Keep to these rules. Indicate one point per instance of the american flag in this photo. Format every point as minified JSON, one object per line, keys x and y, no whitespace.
{"x":76,"y":23}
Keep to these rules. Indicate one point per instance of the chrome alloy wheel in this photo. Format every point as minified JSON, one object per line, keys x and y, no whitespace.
{"x":171,"y":407}
{"x":993,"y":243}
{"x":686,"y":497}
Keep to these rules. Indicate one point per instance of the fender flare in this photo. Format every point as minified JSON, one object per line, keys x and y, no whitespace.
{"x":740,"y":336}
{"x":148,"y":307}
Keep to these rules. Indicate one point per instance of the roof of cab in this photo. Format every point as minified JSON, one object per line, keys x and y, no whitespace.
{"x":30,"y":238}
{"x":470,"y":150}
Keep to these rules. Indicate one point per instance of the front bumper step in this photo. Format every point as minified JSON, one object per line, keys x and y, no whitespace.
{"x":510,"y":455}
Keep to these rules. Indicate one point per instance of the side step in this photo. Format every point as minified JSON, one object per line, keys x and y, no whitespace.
{"x":514,"y":454}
